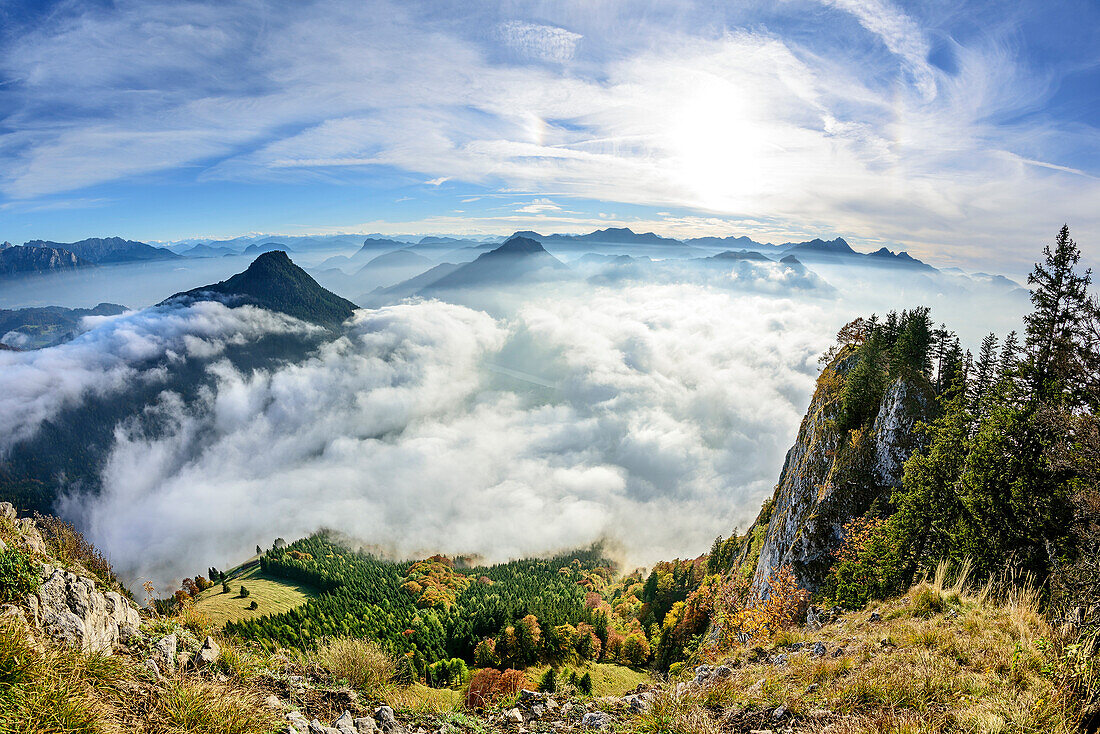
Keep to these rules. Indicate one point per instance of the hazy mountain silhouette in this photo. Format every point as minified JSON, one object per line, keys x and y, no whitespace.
{"x":402,"y":259}
{"x":30,"y":259}
{"x":102,"y":250}
{"x":520,"y":258}
{"x":208,"y":251}
{"x":259,"y":248}
{"x":741,"y":255}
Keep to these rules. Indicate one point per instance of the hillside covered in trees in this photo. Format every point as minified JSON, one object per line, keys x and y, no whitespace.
{"x":515,"y":614}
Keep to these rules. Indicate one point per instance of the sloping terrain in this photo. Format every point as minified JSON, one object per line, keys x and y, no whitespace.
{"x":273,"y":282}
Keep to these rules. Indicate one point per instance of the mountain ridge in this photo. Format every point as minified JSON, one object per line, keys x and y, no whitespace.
{"x":518,"y":258}
{"x":20,"y":260}
{"x":106,"y":250}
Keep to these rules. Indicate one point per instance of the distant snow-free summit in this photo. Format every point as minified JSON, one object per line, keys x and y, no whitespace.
{"x":105,"y":250}
{"x":520,"y":258}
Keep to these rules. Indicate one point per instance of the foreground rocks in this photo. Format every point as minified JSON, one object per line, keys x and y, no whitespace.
{"x":70,"y":610}
{"x":533,"y":711}
{"x":384,"y":720}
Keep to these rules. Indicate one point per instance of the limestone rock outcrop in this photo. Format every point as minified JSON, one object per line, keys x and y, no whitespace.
{"x":831,"y":476}
{"x":70,"y":610}
{"x":25,"y":527}
{"x":68,"y":607}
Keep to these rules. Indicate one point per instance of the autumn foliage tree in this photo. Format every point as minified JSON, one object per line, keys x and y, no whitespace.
{"x":743,"y":619}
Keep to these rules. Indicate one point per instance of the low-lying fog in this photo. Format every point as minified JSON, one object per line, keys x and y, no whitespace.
{"x":653,"y":413}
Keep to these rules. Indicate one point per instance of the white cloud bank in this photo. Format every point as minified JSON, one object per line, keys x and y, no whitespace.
{"x":118,"y":350}
{"x":655,"y":414}
{"x":672,"y":409}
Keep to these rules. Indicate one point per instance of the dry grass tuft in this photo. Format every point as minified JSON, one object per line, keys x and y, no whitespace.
{"x":672,"y":712}
{"x":199,"y":706}
{"x":421,"y":699}
{"x":362,"y":664}
{"x":55,"y":690}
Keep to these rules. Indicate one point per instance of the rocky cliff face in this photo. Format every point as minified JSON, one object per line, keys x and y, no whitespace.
{"x":68,"y":608}
{"x":830,"y":477}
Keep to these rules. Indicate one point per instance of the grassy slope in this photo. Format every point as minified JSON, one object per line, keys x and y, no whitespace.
{"x":615,"y":680}
{"x":939,"y":660}
{"x":273,"y":595}
{"x":608,"y":679}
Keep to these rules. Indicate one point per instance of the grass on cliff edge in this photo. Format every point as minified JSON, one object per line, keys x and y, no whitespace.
{"x":56,"y":690}
{"x":941,"y":659}
{"x":273,"y":595}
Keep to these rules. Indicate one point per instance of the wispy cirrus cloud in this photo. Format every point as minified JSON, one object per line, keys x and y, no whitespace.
{"x":731,"y":116}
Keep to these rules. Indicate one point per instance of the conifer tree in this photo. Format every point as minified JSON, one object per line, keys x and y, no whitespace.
{"x":1057,"y":326}
{"x":1006,"y":366}
{"x":914,"y":339}
{"x":985,"y":371}
{"x":865,"y":383}
{"x":714,"y":560}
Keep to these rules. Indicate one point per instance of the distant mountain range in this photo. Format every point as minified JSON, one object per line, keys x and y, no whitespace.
{"x":28,"y":260}
{"x":817,"y":250}
{"x":41,"y":256}
{"x":103,"y":250}
{"x":340,"y":271}
{"x":741,"y":242}
{"x":273,"y":282}
{"x":616,"y":235}
{"x":208,"y":251}
{"x":836,"y":251}
{"x":518,"y":260}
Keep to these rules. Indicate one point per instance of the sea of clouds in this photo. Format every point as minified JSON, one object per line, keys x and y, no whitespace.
{"x":655,"y":416}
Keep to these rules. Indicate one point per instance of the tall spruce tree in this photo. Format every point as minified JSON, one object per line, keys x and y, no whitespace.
{"x":1057,"y":327}
{"x":985,"y":372}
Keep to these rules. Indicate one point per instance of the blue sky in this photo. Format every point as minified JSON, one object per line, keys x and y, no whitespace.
{"x":963,"y":132}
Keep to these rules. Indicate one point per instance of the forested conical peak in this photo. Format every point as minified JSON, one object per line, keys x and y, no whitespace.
{"x":272,"y":264}
{"x":274,"y":282}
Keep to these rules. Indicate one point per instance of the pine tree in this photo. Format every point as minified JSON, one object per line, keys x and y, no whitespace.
{"x":549,"y":681}
{"x":1057,"y":326}
{"x":952,"y":366}
{"x":984,"y":373}
{"x":864,"y":385}
{"x":1008,"y":363}
{"x":910,"y":353}
{"x":927,"y":501}
{"x":714,"y":560}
